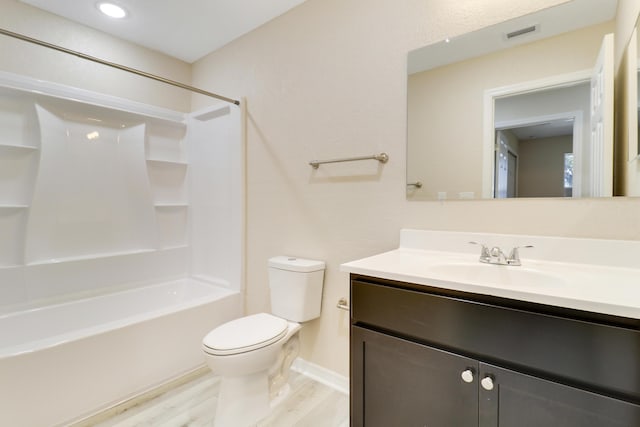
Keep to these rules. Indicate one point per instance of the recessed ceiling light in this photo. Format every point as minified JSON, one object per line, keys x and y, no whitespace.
{"x":112,"y":10}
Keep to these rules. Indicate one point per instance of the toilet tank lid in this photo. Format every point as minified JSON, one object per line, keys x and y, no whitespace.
{"x":291,"y":263}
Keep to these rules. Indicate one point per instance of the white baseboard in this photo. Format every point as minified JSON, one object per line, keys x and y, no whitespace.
{"x":322,"y":375}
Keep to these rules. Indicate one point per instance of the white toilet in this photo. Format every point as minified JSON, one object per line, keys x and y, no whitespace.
{"x":253,"y":354}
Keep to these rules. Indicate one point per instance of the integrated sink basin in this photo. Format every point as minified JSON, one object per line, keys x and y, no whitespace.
{"x":600,"y":276}
{"x":491,"y":274}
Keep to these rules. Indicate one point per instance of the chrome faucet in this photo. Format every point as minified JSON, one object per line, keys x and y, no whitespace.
{"x":495,"y":255}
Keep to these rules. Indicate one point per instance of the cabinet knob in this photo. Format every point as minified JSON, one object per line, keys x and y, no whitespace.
{"x":467,"y":376}
{"x":487,"y":383}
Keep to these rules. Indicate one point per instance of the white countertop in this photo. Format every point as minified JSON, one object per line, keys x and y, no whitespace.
{"x":593,"y":285}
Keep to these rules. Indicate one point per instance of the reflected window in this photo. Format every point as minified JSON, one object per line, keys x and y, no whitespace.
{"x":568,"y":174}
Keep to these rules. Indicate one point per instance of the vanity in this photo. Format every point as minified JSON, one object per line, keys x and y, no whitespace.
{"x":441,"y":339}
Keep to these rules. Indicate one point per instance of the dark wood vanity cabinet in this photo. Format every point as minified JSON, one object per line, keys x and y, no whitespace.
{"x":423,"y":356}
{"x":396,"y":382}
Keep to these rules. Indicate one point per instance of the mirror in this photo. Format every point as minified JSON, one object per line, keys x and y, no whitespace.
{"x":506,"y":111}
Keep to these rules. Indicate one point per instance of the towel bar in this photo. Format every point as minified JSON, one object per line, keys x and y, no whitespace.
{"x":382,"y":158}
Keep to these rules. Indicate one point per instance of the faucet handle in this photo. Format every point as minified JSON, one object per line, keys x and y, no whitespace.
{"x":484,"y":252}
{"x":514,"y":255}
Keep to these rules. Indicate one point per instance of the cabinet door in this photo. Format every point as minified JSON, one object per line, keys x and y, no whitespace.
{"x":519,"y":400}
{"x":400,"y":383}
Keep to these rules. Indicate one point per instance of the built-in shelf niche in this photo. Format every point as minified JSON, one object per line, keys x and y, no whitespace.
{"x":165,"y":142}
{"x":167,"y":162}
{"x":13,"y":220}
{"x":167,"y":169}
{"x":18,"y":121}
{"x":161,"y":162}
{"x":19,"y":156}
{"x":18,"y":148}
{"x":18,"y":169}
{"x":168,"y":182}
{"x":19,"y":143}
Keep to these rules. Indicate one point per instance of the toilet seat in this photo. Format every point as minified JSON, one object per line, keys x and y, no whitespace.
{"x":245,"y":334}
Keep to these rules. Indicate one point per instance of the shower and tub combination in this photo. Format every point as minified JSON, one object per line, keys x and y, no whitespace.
{"x":121,"y":247}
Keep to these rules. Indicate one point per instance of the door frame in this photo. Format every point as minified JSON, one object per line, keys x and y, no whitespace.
{"x":488,"y":128}
{"x":507,"y":150}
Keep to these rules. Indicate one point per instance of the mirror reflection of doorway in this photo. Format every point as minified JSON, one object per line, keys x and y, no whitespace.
{"x":532,"y":160}
{"x":586,"y":99}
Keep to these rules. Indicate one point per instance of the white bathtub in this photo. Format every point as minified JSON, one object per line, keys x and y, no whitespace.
{"x":62,"y":362}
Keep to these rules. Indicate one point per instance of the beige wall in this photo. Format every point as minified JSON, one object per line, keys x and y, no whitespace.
{"x":27,"y":59}
{"x":326,"y":80}
{"x":541,"y":166}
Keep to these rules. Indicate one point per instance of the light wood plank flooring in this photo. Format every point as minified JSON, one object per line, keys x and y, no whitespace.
{"x":309,"y":404}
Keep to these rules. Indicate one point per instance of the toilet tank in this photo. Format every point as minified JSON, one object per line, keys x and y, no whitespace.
{"x":296,"y":287}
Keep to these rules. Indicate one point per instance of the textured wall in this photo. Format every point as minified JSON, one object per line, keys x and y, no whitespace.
{"x":326,"y":80}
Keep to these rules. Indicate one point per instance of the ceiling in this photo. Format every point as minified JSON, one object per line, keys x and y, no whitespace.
{"x":552,"y":21}
{"x":563,"y":127}
{"x":185,"y":29}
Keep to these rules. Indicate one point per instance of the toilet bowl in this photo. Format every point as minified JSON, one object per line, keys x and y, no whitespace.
{"x":253,"y":354}
{"x":247,"y":345}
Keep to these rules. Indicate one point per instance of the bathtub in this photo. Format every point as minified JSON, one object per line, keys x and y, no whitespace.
{"x":62,"y":362}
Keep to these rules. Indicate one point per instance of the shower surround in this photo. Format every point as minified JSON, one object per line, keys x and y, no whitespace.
{"x":100,"y":196}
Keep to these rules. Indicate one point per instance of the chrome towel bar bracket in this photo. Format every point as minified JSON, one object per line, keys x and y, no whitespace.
{"x":382,"y":158}
{"x":343,"y":304}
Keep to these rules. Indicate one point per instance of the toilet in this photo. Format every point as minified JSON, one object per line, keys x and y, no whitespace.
{"x":253,"y":354}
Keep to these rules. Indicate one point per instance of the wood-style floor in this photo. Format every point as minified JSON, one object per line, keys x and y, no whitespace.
{"x":309,"y":404}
